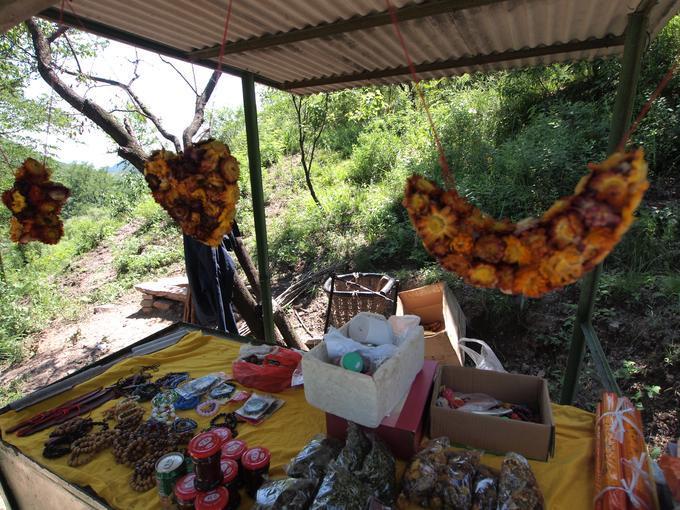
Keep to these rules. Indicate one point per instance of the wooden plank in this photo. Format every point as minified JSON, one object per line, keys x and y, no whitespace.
{"x":33,"y":486}
{"x":13,"y":12}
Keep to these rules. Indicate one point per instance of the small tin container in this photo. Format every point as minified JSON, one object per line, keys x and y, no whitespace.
{"x":217,"y":499}
{"x":224,"y":433}
{"x":169,"y":469}
{"x":231,"y":482}
{"x":204,"y":450}
{"x":255,"y":469}
{"x":185,"y":492}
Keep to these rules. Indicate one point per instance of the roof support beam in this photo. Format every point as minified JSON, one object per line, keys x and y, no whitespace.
{"x":13,"y":12}
{"x":408,"y":12}
{"x":636,"y":35}
{"x":506,"y":56}
{"x":115,"y":34}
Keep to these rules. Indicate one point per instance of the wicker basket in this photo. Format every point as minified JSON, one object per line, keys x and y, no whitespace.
{"x":349,"y":294}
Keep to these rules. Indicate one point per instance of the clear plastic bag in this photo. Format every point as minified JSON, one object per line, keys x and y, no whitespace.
{"x":517,"y":486}
{"x":286,"y":494}
{"x":341,"y":490}
{"x":455,"y":485}
{"x":379,"y":472}
{"x":475,"y":402}
{"x":486,"y":359}
{"x":313,"y":460}
{"x":197,"y":387}
{"x":357,"y":445}
{"x":485,"y":489}
{"x":421,"y":474}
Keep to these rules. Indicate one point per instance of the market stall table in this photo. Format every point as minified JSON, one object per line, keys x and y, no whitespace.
{"x":566,"y":480}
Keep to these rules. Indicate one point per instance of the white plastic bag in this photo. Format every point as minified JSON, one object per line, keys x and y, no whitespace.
{"x":485,"y":359}
{"x":402,"y":326}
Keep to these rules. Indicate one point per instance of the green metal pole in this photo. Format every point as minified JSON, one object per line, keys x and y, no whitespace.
{"x":254,"y":165}
{"x":633,"y":48}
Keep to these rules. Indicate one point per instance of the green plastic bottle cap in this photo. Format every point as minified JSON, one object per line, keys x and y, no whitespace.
{"x":352,"y":361}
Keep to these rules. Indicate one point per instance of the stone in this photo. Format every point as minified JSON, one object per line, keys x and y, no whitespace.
{"x":147,"y":309}
{"x":104,"y":308}
{"x":162,"y":304}
{"x":174,"y":288}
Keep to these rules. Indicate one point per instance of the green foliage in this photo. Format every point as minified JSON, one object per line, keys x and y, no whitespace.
{"x":374,"y":155}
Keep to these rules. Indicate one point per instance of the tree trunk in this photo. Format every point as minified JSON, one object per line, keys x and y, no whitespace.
{"x":308,"y":179}
{"x":247,"y":307}
{"x":281,"y":320}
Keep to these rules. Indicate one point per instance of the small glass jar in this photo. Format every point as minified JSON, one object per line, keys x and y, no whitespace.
{"x":230,"y":482}
{"x":224,"y":433}
{"x":204,"y":449}
{"x":217,"y":499}
{"x":234,"y":450}
{"x":255,"y":463}
{"x":185,"y":492}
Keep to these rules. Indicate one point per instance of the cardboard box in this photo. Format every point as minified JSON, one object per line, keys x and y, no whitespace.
{"x":357,"y":397}
{"x":401,"y":430}
{"x":436,"y":304}
{"x":491,"y":433}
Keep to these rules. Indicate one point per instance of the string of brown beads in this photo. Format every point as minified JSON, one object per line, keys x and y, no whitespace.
{"x":74,"y":427}
{"x":83,"y":450}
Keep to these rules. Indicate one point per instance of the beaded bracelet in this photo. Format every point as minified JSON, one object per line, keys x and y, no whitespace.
{"x":183,"y":425}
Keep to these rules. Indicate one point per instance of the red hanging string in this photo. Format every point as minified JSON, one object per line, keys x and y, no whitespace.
{"x":646,"y":107}
{"x":224,"y":37}
{"x":446,"y":172}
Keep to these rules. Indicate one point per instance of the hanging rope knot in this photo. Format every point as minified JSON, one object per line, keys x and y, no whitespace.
{"x":620,"y":417}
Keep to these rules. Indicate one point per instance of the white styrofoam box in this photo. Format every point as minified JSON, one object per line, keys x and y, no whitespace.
{"x":357,"y":397}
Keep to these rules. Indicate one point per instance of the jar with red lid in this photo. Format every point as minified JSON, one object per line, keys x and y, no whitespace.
{"x":255,"y":465}
{"x":231,"y":482}
{"x":224,"y":433}
{"x":234,"y":450}
{"x":185,"y":492}
{"x":204,"y":450}
{"x":217,"y":499}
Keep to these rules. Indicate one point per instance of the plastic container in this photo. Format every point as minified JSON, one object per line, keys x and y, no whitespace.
{"x":204,"y":450}
{"x":234,"y":450}
{"x":217,"y":499}
{"x":255,"y":472}
{"x":185,"y":492}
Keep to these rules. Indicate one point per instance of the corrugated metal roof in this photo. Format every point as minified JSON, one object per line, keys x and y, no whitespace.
{"x":311,"y":46}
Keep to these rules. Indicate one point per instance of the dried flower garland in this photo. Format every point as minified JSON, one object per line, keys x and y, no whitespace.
{"x":533,"y":256}
{"x":198,"y":188}
{"x":35,"y":203}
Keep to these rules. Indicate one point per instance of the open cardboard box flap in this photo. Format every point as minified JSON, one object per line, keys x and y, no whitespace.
{"x":491,"y":433}
{"x":436,"y":303}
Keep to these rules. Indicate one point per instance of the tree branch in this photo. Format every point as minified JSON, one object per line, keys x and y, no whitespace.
{"x":199,"y":109}
{"x":143,"y":109}
{"x":57,"y":34}
{"x":129,"y":147}
{"x":192,"y":87}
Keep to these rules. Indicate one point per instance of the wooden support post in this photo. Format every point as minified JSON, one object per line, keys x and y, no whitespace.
{"x":250,"y":111}
{"x":633,"y":48}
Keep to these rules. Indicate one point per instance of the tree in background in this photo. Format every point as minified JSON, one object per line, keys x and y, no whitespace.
{"x":55,"y":53}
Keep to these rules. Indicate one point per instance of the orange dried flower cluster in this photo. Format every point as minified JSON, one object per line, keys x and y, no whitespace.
{"x":533,"y":256}
{"x":198,"y":188}
{"x":35,"y":203}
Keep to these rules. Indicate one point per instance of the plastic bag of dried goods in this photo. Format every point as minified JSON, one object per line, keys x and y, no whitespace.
{"x":341,"y":490}
{"x":286,"y":494}
{"x":422,"y":473}
{"x":517,"y":486}
{"x":311,"y":462}
{"x":379,"y":472}
{"x":485,"y":489}
{"x":455,"y":481}
{"x":357,"y":445}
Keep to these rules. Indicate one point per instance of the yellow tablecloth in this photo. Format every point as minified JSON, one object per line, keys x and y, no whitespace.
{"x":566,"y":480}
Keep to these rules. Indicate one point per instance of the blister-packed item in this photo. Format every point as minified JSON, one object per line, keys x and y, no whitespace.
{"x":517,"y":486}
{"x":200,"y":386}
{"x":357,"y":445}
{"x":485,"y":489}
{"x":286,"y":494}
{"x":314,"y":458}
{"x":341,"y":490}
{"x":379,"y":471}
